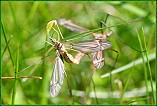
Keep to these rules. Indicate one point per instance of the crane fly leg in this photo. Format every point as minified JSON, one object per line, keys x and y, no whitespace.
{"x":69,"y":58}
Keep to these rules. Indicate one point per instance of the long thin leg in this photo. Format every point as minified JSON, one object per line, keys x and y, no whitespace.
{"x":70,"y":91}
{"x":51,"y":25}
{"x":34,"y":63}
{"x":74,"y":77}
{"x":116,"y":56}
{"x":106,"y":17}
{"x":104,"y":22}
{"x":60,"y":32}
{"x":37,"y":37}
{"x":93,"y":86}
{"x":69,"y":58}
{"x":54,"y":23}
{"x":121,"y":39}
{"x":95,"y":91}
{"x":112,"y":69}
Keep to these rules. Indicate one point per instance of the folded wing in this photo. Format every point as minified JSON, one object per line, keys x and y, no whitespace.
{"x":98,"y":59}
{"x":71,"y":26}
{"x":90,"y":46}
{"x":57,"y":77}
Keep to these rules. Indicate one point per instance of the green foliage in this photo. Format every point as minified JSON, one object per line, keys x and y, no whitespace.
{"x":24,"y":31}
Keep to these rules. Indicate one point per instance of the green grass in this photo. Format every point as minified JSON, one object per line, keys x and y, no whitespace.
{"x":16,"y":76}
{"x":126,"y":84}
{"x":148,"y":66}
{"x":23,"y":30}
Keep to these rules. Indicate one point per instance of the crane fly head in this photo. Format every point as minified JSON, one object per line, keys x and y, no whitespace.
{"x":53,"y":40}
{"x":56,"y":43}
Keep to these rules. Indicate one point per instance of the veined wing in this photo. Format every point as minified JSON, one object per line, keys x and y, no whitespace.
{"x":98,"y":59}
{"x":71,"y":26}
{"x":91,"y":46}
{"x":57,"y":77}
{"x":104,"y":44}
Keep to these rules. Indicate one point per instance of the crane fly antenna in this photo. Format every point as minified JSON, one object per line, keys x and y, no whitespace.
{"x":37,"y":37}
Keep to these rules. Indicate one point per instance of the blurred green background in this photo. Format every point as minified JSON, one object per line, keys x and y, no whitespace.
{"x":23,"y":22}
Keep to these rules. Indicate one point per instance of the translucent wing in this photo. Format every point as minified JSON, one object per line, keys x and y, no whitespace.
{"x":104,"y":44}
{"x":57,"y":77}
{"x":91,"y":45}
{"x":98,"y":59}
{"x":71,"y":26}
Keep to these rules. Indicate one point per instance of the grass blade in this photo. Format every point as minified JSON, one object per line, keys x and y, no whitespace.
{"x":130,"y":73}
{"x":16,"y":76}
{"x":127,"y":66}
{"x":149,"y":69}
{"x":144,"y":65}
{"x":44,"y":85}
{"x":6,"y":46}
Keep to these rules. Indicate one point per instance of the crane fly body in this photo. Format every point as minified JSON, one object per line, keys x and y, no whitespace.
{"x":98,"y":56}
{"x":64,"y":54}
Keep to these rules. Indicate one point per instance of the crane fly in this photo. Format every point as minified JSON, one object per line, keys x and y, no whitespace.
{"x":58,"y":68}
{"x":98,"y":56}
{"x":88,"y":46}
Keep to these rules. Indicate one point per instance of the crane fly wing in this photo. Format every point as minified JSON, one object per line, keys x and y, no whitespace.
{"x":105,"y":44}
{"x":98,"y":59}
{"x":91,"y":45}
{"x":71,"y":26}
{"x":57,"y":77}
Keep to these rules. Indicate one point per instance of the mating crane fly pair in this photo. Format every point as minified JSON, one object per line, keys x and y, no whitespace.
{"x":95,"y":47}
{"x":97,"y":56}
